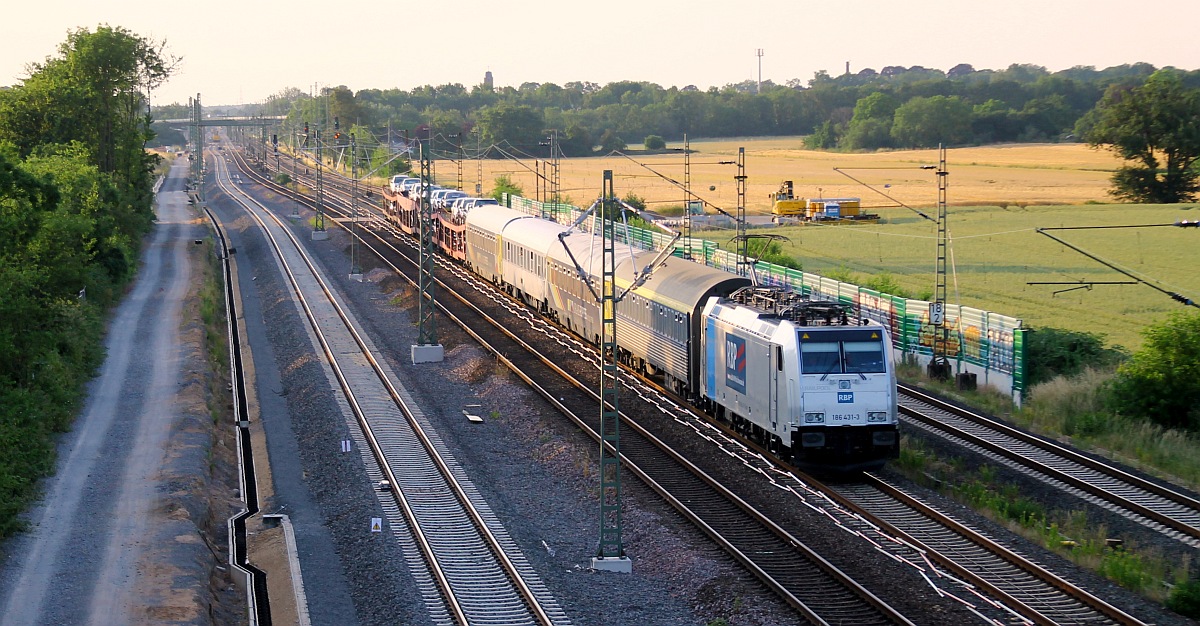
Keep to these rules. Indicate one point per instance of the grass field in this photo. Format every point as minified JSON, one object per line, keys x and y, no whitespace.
{"x":998,"y":196}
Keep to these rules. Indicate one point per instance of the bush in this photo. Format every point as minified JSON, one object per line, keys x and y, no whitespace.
{"x":654,"y":142}
{"x":886,"y":283}
{"x":1162,"y":380}
{"x":1051,"y":352}
{"x":1185,"y":599}
{"x":504,"y":185}
{"x":635,"y":201}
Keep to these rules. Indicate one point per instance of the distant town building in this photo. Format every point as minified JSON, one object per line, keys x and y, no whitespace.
{"x":487,"y":79}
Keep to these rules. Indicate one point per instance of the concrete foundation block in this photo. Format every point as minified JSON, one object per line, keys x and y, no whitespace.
{"x":428,"y":354}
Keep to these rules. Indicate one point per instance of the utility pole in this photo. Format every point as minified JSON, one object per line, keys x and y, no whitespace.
{"x":319,"y":233}
{"x":939,"y":366}
{"x":479,"y":162}
{"x":427,"y":350}
{"x":742,"y":260}
{"x":355,"y":262}
{"x":687,"y":197}
{"x":458,"y":139}
{"x":610,"y":554}
{"x":198,"y":157}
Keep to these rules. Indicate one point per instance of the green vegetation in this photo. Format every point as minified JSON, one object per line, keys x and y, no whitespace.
{"x":504,"y":185}
{"x":75,"y":200}
{"x":1161,"y":383}
{"x":654,"y":142}
{"x":1066,"y":532}
{"x":1157,"y":126}
{"x":994,"y":253}
{"x":1052,"y":352}
{"x":870,"y":109}
{"x":213,"y":314}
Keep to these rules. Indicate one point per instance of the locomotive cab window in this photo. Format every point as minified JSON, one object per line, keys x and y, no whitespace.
{"x":843,"y":353}
{"x":864,"y":357}
{"x":820,"y":357}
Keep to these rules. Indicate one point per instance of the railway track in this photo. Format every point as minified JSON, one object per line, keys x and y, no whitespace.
{"x":1170,"y":512}
{"x":899,"y":525}
{"x":472,"y":572}
{"x":819,"y":591}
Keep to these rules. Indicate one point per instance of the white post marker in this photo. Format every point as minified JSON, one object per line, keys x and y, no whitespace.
{"x":376,"y":524}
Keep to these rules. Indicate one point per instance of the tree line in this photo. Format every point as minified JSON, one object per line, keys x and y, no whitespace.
{"x":75,"y":200}
{"x":893,"y":108}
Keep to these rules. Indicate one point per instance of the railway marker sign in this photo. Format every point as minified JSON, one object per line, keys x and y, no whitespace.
{"x":376,"y":524}
{"x":937,"y":313}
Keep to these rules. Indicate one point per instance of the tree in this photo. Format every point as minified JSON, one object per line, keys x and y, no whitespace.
{"x":611,"y":142}
{"x":1156,"y":125}
{"x":94,"y":92}
{"x":871,"y":125}
{"x":654,"y":142}
{"x":516,"y":124}
{"x":1161,"y":382}
{"x":504,"y":185}
{"x":926,"y":122}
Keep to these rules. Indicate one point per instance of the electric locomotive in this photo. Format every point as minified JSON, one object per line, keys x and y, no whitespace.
{"x":801,"y":378}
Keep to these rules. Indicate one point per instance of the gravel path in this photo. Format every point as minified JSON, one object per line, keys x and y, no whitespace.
{"x":114,"y":541}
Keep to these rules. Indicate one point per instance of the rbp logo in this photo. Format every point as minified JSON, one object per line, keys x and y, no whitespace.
{"x":845,"y":397}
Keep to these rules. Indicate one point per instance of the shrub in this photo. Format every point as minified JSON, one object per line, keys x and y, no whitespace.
{"x":1052,"y":352}
{"x":1185,"y":599}
{"x":886,"y":283}
{"x":654,"y":142}
{"x":502,"y":185}
{"x":635,"y":201}
{"x":1162,"y":380}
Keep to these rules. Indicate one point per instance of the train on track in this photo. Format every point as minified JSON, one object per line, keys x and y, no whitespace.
{"x":800,"y":377}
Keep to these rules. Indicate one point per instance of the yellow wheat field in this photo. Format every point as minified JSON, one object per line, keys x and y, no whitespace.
{"x":992,"y":175}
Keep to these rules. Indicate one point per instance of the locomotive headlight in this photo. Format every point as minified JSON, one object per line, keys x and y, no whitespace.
{"x":814,"y":418}
{"x":877,"y":416}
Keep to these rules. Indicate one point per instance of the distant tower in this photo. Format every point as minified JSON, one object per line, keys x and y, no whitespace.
{"x":487,"y":79}
{"x":847,"y":68}
{"x":759,"y":53}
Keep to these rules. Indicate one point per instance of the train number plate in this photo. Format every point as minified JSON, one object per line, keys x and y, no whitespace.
{"x":846,"y":417}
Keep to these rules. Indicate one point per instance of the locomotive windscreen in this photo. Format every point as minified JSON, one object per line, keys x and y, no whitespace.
{"x":841,"y":351}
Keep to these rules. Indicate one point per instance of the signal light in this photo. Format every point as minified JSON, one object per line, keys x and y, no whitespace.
{"x":306,"y":130}
{"x":335,"y":123}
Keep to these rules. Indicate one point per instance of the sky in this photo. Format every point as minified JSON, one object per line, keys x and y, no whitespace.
{"x":244,"y":52}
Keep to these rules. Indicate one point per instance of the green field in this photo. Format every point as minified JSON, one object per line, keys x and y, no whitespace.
{"x":994,"y":252}
{"x":998,"y":196}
